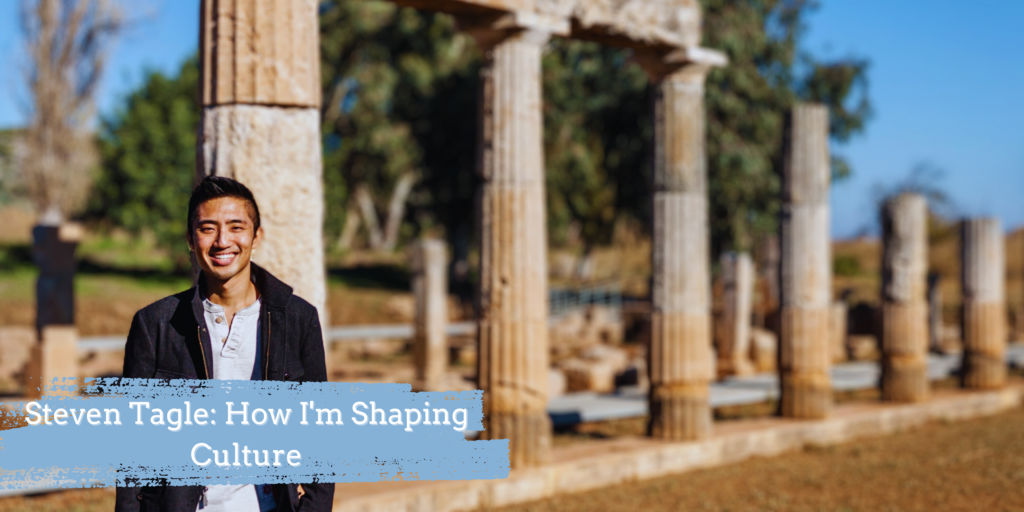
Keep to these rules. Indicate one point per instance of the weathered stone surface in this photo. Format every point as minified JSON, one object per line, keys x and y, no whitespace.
{"x":430,"y":288}
{"x":904,"y":298}
{"x":264,"y":52}
{"x":806,"y":266}
{"x":513,"y":355}
{"x":16,"y":344}
{"x":54,"y":357}
{"x":734,"y":326}
{"x":837,"y":330}
{"x":863,"y":347}
{"x":764,"y":349}
{"x":557,"y":383}
{"x":589,"y":375}
{"x":276,"y":153}
{"x":984,"y":307}
{"x":681,"y":364}
{"x":934,"y":312}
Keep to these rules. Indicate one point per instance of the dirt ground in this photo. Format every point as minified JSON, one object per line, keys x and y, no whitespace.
{"x":969,"y":466}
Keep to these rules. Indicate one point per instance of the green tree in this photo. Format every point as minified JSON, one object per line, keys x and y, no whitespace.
{"x":747,"y":102}
{"x":382,"y":68}
{"x":148,"y":150}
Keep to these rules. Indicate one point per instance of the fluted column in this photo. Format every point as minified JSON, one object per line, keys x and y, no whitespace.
{"x":512,"y":334}
{"x":261,"y":126}
{"x":681,"y":365}
{"x":806,"y":266}
{"x":734,"y":328}
{"x":904,"y":299}
{"x":430,"y":290}
{"x":984,"y":309}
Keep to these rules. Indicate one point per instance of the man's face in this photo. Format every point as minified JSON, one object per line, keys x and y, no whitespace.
{"x":223,"y":237}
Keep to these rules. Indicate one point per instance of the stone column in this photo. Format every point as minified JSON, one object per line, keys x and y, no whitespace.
{"x":806,"y":266}
{"x":681,"y":364}
{"x":53,"y":358}
{"x":837,"y":330}
{"x":430,"y":289}
{"x":734,"y":329}
{"x":261,"y":126}
{"x":984,"y":309}
{"x":512,"y":363}
{"x":904,"y":299}
{"x":935,"y":322}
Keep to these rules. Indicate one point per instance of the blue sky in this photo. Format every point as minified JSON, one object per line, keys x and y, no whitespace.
{"x":946,"y":82}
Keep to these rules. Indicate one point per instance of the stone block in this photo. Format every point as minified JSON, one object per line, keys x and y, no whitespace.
{"x":864,"y":347}
{"x":589,"y":375}
{"x":16,"y":343}
{"x":764,"y":346}
{"x":557,"y":383}
{"x":54,"y":357}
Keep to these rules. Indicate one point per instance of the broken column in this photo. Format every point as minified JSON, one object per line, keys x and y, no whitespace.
{"x":261,"y":126}
{"x":983,"y":313}
{"x":681,"y":364}
{"x":806,"y":266}
{"x":54,"y":354}
{"x":837,"y":330}
{"x":734,"y":329}
{"x":512,"y":363}
{"x":904,"y":298}
{"x":430,"y":290}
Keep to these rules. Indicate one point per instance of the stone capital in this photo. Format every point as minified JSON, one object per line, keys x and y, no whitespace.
{"x":689,"y":64}
{"x":494,"y":29}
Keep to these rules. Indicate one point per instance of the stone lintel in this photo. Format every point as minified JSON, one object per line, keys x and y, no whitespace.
{"x":492,"y":28}
{"x":692,"y":61}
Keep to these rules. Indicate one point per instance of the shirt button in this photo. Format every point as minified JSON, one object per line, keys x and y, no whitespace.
{"x":224,"y":340}
{"x":219,"y":319}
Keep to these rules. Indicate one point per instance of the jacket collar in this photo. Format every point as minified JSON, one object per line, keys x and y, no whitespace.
{"x":274,"y":293}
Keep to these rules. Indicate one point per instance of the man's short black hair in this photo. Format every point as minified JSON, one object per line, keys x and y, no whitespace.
{"x":215,"y":187}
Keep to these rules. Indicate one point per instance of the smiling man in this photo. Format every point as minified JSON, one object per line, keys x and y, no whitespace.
{"x":238,"y":322}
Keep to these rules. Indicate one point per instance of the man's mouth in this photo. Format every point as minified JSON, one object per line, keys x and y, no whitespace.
{"x":223,"y":259}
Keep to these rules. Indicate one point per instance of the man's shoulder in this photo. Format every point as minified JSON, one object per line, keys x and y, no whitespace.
{"x":299,"y":307}
{"x":166,"y":307}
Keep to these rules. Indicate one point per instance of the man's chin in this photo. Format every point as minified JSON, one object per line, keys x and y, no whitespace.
{"x":224,"y":274}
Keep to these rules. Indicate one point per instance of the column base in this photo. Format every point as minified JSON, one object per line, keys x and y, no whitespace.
{"x":983,"y":371}
{"x":905,"y":380}
{"x":680,"y":413}
{"x":806,"y":396}
{"x":529,"y":436}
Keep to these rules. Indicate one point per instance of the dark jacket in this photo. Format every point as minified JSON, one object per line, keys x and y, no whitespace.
{"x":169,"y":340}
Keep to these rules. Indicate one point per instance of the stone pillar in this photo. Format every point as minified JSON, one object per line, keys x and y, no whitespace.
{"x":734,"y":329}
{"x":806,"y":266}
{"x":261,"y":126}
{"x":681,"y":363}
{"x":430,"y":289}
{"x":904,"y":298}
{"x":512,"y":363}
{"x":935,"y":322}
{"x":837,"y":330}
{"x":984,"y":309}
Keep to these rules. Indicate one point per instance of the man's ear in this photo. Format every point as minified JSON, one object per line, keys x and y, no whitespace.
{"x":257,"y":237}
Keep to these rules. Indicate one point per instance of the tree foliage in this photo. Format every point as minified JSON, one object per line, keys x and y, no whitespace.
{"x":148,"y":150}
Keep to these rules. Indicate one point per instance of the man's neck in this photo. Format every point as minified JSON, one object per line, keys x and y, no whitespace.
{"x":235,"y":293}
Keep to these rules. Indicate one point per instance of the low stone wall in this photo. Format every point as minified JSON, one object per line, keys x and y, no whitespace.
{"x":599,"y":464}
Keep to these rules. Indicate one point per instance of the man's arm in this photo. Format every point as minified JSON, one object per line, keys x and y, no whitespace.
{"x":318,"y":496}
{"x":140,"y":351}
{"x":139,"y":362}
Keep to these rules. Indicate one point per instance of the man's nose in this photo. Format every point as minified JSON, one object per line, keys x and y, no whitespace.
{"x":222,"y":239}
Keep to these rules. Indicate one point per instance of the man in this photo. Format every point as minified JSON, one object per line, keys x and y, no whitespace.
{"x":238,"y":322}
